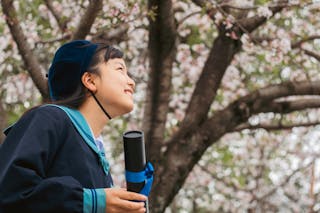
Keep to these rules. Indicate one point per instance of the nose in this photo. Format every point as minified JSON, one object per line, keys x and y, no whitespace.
{"x":131,"y":82}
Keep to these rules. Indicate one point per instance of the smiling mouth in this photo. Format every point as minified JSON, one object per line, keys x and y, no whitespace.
{"x":130,"y":92}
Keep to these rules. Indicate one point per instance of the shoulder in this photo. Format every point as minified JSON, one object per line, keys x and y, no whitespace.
{"x":47,"y":110}
{"x":46,"y":114}
{"x":42,"y":118}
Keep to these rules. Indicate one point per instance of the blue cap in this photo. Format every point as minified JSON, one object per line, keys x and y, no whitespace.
{"x":68,"y":65}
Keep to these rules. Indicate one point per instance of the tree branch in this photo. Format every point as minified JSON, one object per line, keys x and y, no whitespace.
{"x":244,"y":25}
{"x":298,"y":44}
{"x":312,"y":187}
{"x":61,"y":23}
{"x":311,"y":53}
{"x":286,"y":89}
{"x":220,"y":56}
{"x":250,"y":24}
{"x":284,"y":107}
{"x":227,"y":5}
{"x":274,"y":127}
{"x":284,"y":182}
{"x":113,"y":36}
{"x":30,"y":61}
{"x":239,"y":111}
{"x":62,"y":38}
{"x":215,"y":177}
{"x":87,"y":20}
{"x":188,"y":16}
{"x":208,"y":6}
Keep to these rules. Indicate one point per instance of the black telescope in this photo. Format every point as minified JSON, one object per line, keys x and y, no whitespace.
{"x":135,"y":159}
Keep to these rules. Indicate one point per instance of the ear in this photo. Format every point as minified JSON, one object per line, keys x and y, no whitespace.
{"x":88,"y":80}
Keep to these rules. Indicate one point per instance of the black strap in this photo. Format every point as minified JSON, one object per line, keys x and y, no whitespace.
{"x":101,"y":107}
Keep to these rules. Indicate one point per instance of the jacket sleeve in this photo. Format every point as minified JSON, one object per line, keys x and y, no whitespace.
{"x":94,"y":201}
{"x":25,"y":156}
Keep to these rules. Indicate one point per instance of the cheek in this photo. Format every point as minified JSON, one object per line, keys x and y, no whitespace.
{"x":113,"y":90}
{"x":115,"y":84}
{"x":114,"y":76}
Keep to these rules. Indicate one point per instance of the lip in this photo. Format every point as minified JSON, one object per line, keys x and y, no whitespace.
{"x":128,"y":91}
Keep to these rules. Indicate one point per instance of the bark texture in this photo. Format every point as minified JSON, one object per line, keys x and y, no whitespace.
{"x":30,"y":60}
{"x":162,"y":52}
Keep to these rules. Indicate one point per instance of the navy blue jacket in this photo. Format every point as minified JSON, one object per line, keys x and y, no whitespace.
{"x":45,"y":165}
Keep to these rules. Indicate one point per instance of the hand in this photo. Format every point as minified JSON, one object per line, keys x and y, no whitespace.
{"x":119,"y":200}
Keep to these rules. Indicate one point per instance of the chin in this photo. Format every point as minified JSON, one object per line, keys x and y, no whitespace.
{"x":127,"y":108}
{"x":130,"y":108}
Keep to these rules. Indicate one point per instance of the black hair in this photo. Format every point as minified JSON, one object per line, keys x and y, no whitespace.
{"x":103,"y":53}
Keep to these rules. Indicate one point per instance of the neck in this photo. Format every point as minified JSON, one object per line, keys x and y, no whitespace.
{"x":94,"y":116}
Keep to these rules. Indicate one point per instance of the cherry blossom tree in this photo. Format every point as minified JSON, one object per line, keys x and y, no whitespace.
{"x":227,"y":92}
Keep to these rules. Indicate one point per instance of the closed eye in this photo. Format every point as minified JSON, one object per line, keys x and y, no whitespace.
{"x":121,"y":69}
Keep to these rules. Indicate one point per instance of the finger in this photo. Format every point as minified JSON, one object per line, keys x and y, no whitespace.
{"x":131,"y":196}
{"x":142,"y":210}
{"x":130,"y":205}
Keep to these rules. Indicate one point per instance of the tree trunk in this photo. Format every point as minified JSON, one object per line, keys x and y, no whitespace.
{"x":187,"y":146}
{"x":162,"y":53}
